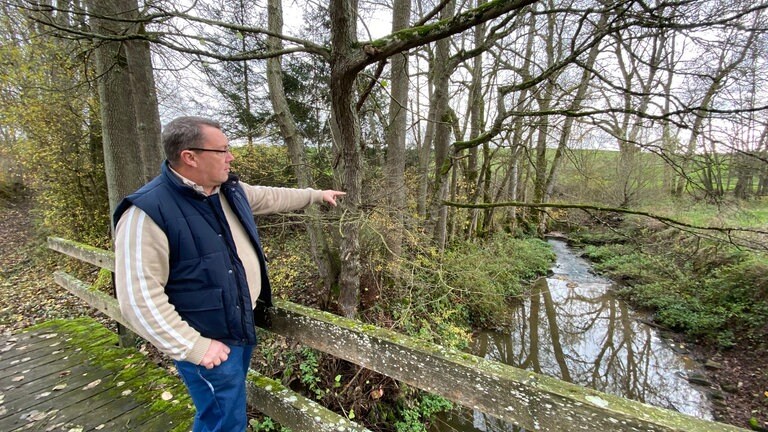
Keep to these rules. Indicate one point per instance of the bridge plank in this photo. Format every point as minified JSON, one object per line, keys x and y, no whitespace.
{"x":138,"y":419}
{"x":54,"y":381}
{"x":62,"y":407}
{"x":60,"y":383}
{"x":23,"y":345}
{"x":90,"y":411}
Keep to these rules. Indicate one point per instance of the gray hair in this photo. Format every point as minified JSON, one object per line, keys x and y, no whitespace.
{"x":182,"y":133}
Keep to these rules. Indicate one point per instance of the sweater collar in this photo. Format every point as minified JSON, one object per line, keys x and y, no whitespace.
{"x":187,"y":184}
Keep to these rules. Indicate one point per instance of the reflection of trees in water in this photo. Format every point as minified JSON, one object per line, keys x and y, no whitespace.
{"x":476,"y":420}
{"x":578,"y":333}
{"x":591,"y":340}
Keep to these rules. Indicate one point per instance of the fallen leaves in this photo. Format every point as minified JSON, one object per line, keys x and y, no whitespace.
{"x":92,"y":384}
{"x":27,"y":290}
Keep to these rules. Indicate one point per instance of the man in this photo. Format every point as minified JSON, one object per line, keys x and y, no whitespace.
{"x":189,"y":266}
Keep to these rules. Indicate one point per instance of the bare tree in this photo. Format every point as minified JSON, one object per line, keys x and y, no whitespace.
{"x":320,"y":248}
{"x":732,"y":52}
{"x":124,"y":152}
{"x":396,"y":130}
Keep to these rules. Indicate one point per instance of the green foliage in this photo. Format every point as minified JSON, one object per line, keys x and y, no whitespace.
{"x":485,"y":276}
{"x":103,"y":281}
{"x":267,"y":425}
{"x":715,"y":293}
{"x":60,"y":160}
{"x":603,"y":254}
{"x":264,"y":165}
{"x":439,"y":297}
{"x":414,"y":413}
{"x":306,"y":88}
{"x":270,"y":165}
{"x":308,"y":368}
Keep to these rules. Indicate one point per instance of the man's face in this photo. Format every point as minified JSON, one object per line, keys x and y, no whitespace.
{"x":213,"y":158}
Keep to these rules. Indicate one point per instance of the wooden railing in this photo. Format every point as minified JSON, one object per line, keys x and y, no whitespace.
{"x":530,"y":400}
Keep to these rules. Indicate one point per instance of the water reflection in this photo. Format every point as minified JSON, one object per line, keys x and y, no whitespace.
{"x":572,"y":329}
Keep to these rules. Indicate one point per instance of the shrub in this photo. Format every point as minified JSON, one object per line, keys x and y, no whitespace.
{"x":706,"y":290}
{"x":483,"y":277}
{"x":265,"y":165}
{"x":415,"y":412}
{"x":439,"y":297}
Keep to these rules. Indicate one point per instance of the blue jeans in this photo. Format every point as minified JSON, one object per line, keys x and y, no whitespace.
{"x":219,"y":393}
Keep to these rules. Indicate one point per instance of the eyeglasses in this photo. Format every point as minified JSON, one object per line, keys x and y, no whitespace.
{"x":227,"y":150}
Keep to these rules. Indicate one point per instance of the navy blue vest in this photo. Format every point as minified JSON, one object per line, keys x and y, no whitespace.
{"x":207,"y":283}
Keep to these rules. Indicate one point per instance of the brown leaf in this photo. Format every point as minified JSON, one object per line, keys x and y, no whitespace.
{"x":377,"y":393}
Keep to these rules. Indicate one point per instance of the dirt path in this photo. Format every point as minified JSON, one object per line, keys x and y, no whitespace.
{"x":28,"y":294}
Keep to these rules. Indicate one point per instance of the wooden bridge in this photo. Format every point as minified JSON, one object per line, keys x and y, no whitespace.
{"x":530,"y":400}
{"x":71,"y":376}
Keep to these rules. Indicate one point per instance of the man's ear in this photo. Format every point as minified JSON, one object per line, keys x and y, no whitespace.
{"x":188,"y":157}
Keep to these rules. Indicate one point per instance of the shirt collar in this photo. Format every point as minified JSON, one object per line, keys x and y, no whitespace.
{"x":192,"y":184}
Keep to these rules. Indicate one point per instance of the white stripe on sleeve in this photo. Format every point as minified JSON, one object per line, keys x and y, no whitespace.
{"x":134,"y":269}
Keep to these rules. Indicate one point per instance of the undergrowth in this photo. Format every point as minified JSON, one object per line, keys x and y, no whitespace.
{"x":713,"y":292}
{"x":437,"y":297}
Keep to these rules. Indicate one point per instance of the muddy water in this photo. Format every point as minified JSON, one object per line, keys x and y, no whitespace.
{"x":573,"y":329}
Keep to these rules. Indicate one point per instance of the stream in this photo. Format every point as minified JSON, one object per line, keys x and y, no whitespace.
{"x":574,"y":329}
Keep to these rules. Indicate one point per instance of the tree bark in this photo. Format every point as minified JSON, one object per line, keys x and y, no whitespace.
{"x":320,"y":249}
{"x":125,"y":144}
{"x":144,"y":95}
{"x":544,"y":98}
{"x":122,"y":152}
{"x":346,"y":135}
{"x":441,"y":119}
{"x":395,"y":164}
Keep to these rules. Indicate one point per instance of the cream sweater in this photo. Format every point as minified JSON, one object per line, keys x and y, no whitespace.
{"x":142,"y":267}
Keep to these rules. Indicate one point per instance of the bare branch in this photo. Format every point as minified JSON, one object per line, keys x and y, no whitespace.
{"x":672,"y":222}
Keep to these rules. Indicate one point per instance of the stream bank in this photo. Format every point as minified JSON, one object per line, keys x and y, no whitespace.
{"x":736,"y":378}
{"x":572,"y":327}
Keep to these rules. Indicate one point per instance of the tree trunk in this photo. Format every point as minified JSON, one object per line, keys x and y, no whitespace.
{"x":346,"y":135}
{"x":575,"y":106}
{"x":544,"y":98}
{"x":476,"y":126}
{"x":123,"y":164}
{"x":395,"y":164}
{"x":425,"y":152}
{"x":144,"y":95}
{"x":320,"y":249}
{"x":669,"y":141}
{"x":122,"y":151}
{"x":718,"y":77}
{"x":442,"y":139}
